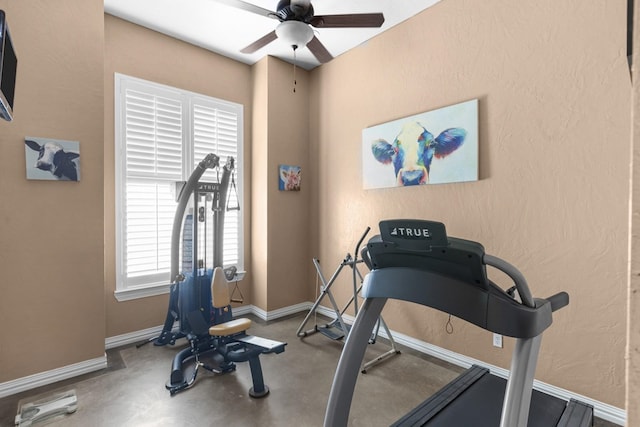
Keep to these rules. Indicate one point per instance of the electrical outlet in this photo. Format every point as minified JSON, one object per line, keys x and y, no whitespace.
{"x":497,"y":340}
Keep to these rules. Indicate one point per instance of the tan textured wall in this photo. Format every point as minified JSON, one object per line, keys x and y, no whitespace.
{"x":51,"y":252}
{"x":259,"y":267}
{"x":139,"y":52}
{"x":288,"y":211}
{"x":633,"y":328}
{"x":554,"y":117}
{"x":633,"y":332}
{"x":281,"y":218}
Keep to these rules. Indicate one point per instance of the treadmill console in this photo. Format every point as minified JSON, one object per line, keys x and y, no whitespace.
{"x":413,"y":234}
{"x":424,"y":245}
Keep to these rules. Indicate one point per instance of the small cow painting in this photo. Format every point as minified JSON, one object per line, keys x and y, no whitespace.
{"x":289,"y":178}
{"x":439,"y":146}
{"x":49,"y":159}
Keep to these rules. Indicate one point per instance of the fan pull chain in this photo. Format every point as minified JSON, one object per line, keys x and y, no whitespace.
{"x":449,"y":326}
{"x":295,"y":47}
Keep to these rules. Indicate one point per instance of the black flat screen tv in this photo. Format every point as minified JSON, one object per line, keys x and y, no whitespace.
{"x":8,"y":66}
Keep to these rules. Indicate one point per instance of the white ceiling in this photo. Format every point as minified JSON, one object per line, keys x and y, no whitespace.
{"x":225,"y":30}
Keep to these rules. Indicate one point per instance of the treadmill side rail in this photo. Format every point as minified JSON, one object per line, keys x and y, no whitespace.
{"x":577,"y":414}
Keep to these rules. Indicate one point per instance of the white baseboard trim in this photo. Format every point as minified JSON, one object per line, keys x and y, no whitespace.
{"x":601,"y":410}
{"x":286,"y":311}
{"x":271,"y":315}
{"x":133,"y":337}
{"x":244,"y":310}
{"x":49,"y":377}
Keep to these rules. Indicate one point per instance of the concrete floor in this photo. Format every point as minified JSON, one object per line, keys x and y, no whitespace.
{"x":131,"y":391}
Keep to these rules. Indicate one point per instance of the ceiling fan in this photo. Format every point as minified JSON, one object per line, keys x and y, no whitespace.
{"x":296,"y":21}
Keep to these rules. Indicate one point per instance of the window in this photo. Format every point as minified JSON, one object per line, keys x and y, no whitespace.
{"x":161,"y":134}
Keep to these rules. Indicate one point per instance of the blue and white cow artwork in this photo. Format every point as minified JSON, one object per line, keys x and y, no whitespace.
{"x":49,"y":159}
{"x":439,"y":146}
{"x":413,"y":150}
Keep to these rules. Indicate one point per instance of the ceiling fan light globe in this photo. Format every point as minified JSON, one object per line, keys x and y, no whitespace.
{"x":294,"y":33}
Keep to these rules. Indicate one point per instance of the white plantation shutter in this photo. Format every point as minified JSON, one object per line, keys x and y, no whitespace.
{"x":161,"y":134}
{"x":153,"y":160}
{"x":153,"y":126}
{"x":216,"y":131}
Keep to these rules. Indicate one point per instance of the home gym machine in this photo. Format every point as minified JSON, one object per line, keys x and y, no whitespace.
{"x":414,"y":260}
{"x":199,"y":295}
{"x":337,"y":328}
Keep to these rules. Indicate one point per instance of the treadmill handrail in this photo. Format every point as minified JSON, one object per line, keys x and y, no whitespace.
{"x":515,"y":274}
{"x":491,"y":309}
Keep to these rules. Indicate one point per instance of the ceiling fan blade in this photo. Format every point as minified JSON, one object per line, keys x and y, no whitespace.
{"x":239,"y":4}
{"x":319,"y":51}
{"x":260,"y":43}
{"x":372,"y":20}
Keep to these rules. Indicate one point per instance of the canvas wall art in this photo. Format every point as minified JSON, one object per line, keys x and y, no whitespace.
{"x":435,"y":147}
{"x":52,"y":159}
{"x":289,"y":178}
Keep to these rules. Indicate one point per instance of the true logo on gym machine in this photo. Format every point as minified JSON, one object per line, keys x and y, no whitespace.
{"x":411,"y":233}
{"x":208,"y":187}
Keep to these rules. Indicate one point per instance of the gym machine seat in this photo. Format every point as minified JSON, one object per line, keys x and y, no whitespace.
{"x":221,"y":301}
{"x":229,"y":328}
{"x":227,"y":343}
{"x":414,"y":260}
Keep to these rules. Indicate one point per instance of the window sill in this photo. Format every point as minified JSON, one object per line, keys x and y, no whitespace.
{"x":156,"y":289}
{"x":141,"y":292}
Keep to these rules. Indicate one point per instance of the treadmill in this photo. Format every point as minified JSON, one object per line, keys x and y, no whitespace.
{"x":414,"y":260}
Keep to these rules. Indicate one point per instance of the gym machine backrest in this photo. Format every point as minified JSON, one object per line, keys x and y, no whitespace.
{"x":414,"y":260}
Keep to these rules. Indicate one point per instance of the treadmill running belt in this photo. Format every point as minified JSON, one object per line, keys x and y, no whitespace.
{"x":480,"y":405}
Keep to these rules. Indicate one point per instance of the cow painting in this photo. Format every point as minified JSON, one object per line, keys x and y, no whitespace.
{"x":433,"y":147}
{"x":290,"y":178}
{"x":413,"y":150}
{"x":53,"y":158}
